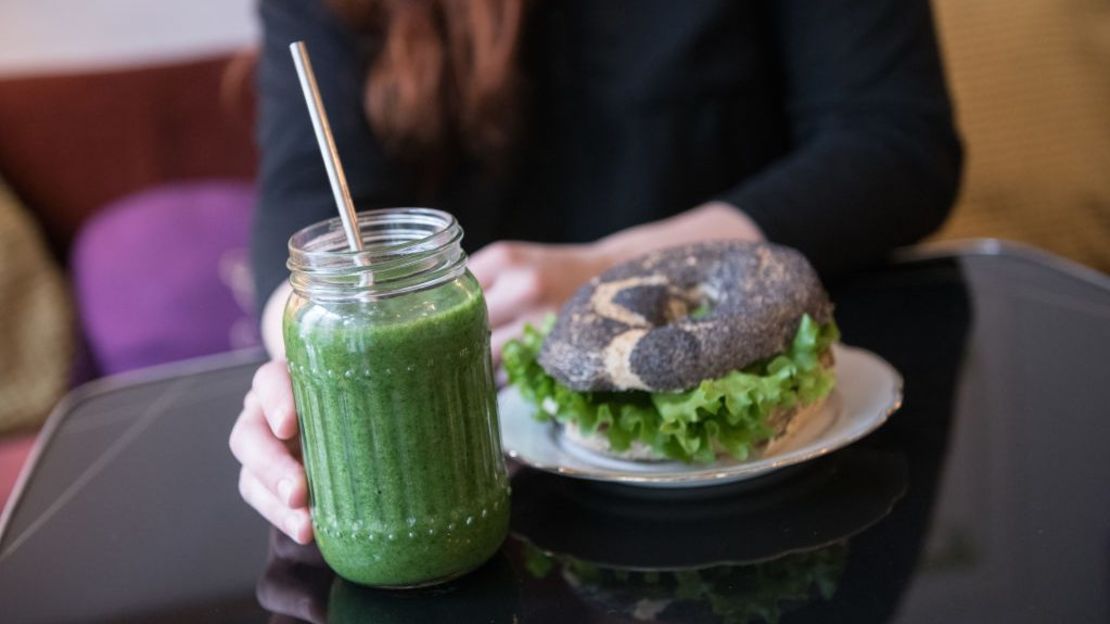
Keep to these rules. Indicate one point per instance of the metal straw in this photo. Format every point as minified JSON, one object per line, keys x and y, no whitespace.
{"x":326,"y":140}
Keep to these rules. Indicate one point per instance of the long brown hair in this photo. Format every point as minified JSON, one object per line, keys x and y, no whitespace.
{"x":445,"y":79}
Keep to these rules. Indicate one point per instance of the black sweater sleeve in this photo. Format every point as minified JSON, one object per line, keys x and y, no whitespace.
{"x":293,"y":184}
{"x":875,"y":161}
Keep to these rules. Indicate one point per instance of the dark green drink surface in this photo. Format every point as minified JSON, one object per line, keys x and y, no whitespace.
{"x":399,"y":432}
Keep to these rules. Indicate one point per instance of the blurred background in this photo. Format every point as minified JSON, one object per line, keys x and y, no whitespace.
{"x":126,"y":166}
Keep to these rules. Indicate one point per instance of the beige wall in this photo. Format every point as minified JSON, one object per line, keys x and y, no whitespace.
{"x":1032,"y":85}
{"x":46,"y":35}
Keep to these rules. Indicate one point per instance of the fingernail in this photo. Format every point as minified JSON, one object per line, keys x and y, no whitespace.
{"x":293,"y":524}
{"x":285,"y":491}
{"x":277,"y":418}
{"x":288,"y":419}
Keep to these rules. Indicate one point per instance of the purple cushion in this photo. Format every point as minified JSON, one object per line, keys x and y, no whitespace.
{"x":162,"y":275}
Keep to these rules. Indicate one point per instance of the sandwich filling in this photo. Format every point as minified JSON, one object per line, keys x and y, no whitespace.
{"x":730,"y":412}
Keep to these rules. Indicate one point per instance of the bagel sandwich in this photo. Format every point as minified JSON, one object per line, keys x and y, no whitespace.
{"x":692,"y":353}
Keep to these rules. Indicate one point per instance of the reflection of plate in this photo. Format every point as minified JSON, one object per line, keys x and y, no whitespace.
{"x":750,"y":593}
{"x":742,"y":552}
{"x":822,"y":503}
{"x":868,"y":391}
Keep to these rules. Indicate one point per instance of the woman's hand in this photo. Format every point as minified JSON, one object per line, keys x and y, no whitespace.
{"x":265,"y":440}
{"x":523,"y":282}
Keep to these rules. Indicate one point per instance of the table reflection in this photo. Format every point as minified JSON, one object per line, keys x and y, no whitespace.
{"x":747,"y":552}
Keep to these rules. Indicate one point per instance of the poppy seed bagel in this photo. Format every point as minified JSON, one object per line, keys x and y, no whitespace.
{"x":670,"y":319}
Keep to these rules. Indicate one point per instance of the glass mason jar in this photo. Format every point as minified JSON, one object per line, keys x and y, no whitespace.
{"x":389,"y":354}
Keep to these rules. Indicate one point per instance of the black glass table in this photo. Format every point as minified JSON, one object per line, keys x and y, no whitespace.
{"x":986,"y":498}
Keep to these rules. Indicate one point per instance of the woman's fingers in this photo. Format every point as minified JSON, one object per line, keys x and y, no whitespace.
{"x":295,"y":523}
{"x":274,"y":391}
{"x":268,"y":458}
{"x":488,"y":262}
{"x":284,"y":549}
{"x":514,"y":292}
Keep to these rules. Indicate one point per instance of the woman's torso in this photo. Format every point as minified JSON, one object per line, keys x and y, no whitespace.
{"x":636,"y":110}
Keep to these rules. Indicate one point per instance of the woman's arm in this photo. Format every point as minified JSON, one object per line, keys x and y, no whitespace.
{"x":875,"y":160}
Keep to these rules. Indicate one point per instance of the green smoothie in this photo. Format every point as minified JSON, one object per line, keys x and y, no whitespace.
{"x":399,"y":430}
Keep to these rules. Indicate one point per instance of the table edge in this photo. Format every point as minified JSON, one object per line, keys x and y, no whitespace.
{"x":963,"y":247}
{"x":104,"y":385}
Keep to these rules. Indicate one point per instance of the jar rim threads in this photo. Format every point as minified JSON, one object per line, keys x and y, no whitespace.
{"x":404,"y":249}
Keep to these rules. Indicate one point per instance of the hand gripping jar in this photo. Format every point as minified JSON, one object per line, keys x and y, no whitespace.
{"x":388,"y":350}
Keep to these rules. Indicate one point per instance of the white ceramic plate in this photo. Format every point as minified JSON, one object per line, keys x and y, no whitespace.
{"x":868,"y":391}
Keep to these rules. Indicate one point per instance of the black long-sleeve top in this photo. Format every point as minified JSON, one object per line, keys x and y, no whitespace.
{"x":827,"y":122}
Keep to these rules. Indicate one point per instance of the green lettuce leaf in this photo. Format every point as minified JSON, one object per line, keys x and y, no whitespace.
{"x":729,"y":412}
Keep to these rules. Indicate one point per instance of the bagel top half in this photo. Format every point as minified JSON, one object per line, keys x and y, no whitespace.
{"x":668,"y":320}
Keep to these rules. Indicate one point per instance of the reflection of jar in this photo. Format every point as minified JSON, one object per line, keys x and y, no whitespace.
{"x":389,"y":355}
{"x":489,"y":595}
